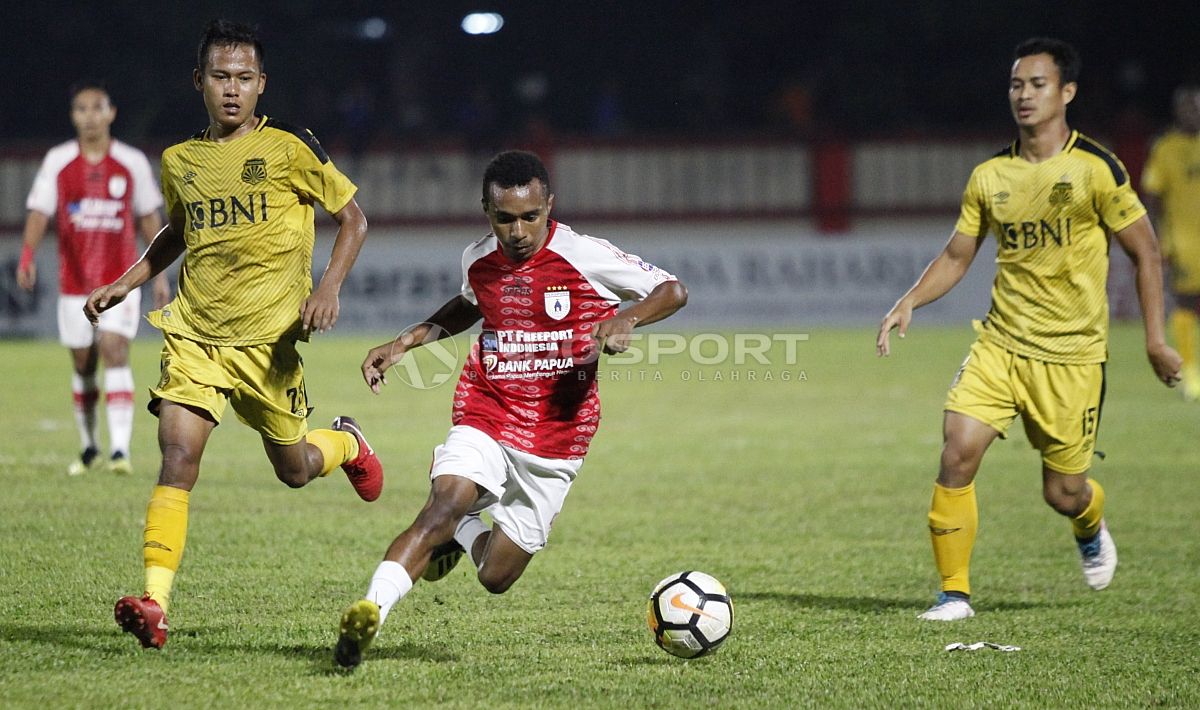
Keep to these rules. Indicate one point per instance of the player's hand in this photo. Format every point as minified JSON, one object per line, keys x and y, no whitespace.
{"x":381,"y":358}
{"x":1166,"y":363}
{"x":103,"y":299}
{"x":162,"y":291}
{"x":27,"y":276}
{"x":614,"y":334}
{"x":320,"y":311}
{"x":899,"y":317}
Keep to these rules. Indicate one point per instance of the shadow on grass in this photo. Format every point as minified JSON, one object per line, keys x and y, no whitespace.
{"x":877,"y":604}
{"x":208,"y":640}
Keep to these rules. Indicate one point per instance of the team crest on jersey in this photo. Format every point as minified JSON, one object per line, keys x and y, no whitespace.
{"x":558,"y":302}
{"x":117,"y":184}
{"x":1060,"y":194}
{"x":254,"y":171}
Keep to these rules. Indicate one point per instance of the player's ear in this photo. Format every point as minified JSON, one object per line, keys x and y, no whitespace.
{"x":196,"y":79}
{"x":262,"y":83}
{"x":1068,"y":92}
{"x":550,"y":203}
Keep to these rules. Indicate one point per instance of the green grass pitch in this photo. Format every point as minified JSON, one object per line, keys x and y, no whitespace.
{"x":805,"y":493}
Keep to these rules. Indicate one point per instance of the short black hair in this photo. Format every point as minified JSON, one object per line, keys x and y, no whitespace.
{"x":1065,"y":56}
{"x":512,"y":168}
{"x":224,"y":33}
{"x":87,"y":85}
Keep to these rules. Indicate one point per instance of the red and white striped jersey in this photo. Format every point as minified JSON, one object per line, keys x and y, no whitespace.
{"x":97,"y":205}
{"x":530,"y":380}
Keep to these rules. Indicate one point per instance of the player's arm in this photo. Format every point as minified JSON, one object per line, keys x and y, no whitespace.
{"x":666,"y":298}
{"x":942,"y":274}
{"x":165,"y":248}
{"x":454,"y":317}
{"x":1139,"y":243}
{"x":320,"y":311}
{"x":36,"y":224}
{"x":149,"y":225}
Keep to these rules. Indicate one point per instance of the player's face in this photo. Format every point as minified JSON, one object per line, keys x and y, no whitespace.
{"x":232,"y":80}
{"x":92,"y":113}
{"x":520,"y":217}
{"x":1035,"y":91}
{"x":1187,"y":109}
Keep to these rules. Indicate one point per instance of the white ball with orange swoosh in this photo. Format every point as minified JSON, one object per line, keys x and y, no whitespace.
{"x":690,"y":614}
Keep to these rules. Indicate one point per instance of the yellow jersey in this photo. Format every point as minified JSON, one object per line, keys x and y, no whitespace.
{"x":1052,"y":222}
{"x":247,"y":208}
{"x":1173,"y":174}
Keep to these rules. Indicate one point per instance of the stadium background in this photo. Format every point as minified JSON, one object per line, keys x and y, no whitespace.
{"x":798,"y":164}
{"x":795,"y":164}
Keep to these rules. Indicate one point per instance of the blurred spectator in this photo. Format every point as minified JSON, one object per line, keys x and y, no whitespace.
{"x":608,"y":115}
{"x":356,"y":116}
{"x":474,"y":116}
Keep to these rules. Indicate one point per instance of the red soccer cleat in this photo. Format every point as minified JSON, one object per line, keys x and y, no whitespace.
{"x":365,"y":472}
{"x":143,"y":618}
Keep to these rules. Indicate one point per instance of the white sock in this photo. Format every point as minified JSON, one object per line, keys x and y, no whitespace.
{"x":83,"y":387}
{"x":118,"y":404}
{"x":389,"y":585}
{"x":468,"y":531}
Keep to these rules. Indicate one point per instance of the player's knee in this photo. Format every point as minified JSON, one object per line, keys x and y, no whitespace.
{"x":291,"y":478}
{"x":179,"y":464}
{"x":1064,"y":501}
{"x":437,"y":520}
{"x":958,"y":466}
{"x":496,"y":582}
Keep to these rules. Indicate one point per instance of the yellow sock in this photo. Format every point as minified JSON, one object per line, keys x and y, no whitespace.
{"x":336,"y":447}
{"x":953,"y":520}
{"x":165,"y":535}
{"x":1184,"y":326}
{"x":1087,"y":523}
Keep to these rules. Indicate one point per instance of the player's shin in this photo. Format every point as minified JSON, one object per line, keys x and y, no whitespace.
{"x":389,"y":584}
{"x":336,"y":447}
{"x":1185,"y":325}
{"x":953,"y":521}
{"x":118,"y":405}
{"x":1087,"y":524}
{"x":165,"y":535}
{"x":83,"y":388}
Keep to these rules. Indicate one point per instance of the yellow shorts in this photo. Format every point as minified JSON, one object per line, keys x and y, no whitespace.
{"x":265,"y":383}
{"x":1059,"y":404}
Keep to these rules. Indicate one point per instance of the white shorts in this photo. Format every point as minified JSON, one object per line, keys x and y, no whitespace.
{"x":525,"y":492}
{"x":75,"y":331}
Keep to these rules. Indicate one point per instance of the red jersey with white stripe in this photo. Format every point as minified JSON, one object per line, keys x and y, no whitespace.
{"x":530,"y":380}
{"x":97,"y":205}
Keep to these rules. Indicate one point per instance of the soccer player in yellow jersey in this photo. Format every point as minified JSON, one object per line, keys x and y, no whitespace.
{"x":239,"y":197}
{"x":1051,"y":198}
{"x":1171,"y":182}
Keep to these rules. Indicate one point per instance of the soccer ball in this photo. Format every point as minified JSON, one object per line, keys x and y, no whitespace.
{"x":690,"y":614}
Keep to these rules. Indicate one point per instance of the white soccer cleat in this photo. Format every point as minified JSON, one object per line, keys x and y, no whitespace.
{"x":1099,"y":558}
{"x":948,"y":608}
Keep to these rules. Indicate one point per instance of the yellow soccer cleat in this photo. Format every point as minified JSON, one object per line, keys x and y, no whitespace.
{"x":360,"y":623}
{"x":87,"y":458}
{"x":119,"y":464}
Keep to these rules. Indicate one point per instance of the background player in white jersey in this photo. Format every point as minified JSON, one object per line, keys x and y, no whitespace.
{"x":526,"y":406}
{"x":102,"y":191}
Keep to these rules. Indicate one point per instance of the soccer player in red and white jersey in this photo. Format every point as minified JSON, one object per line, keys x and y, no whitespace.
{"x":526,"y":406}
{"x":102,"y":191}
